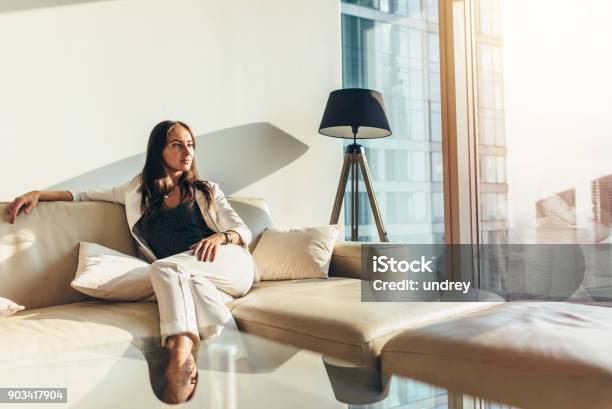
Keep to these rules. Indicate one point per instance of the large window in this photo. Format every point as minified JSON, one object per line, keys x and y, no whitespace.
{"x":393,"y":47}
{"x":543,"y":128}
{"x":526,"y":102}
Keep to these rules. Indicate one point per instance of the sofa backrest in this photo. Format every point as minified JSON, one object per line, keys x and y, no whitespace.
{"x":255,"y":213}
{"x":39,"y":253}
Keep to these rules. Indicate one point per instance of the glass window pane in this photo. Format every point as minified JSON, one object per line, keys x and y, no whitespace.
{"x":435,"y":122}
{"x":402,"y":60}
{"x":432,"y":10}
{"x":544,"y":127}
{"x":436,"y":166}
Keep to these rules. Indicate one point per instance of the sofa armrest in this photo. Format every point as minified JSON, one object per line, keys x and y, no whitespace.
{"x":346,"y":260}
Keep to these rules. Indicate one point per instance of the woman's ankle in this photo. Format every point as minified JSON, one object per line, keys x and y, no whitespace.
{"x":180,"y":344}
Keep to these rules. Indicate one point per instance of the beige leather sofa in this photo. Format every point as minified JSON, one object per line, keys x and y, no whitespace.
{"x":38,"y":259}
{"x":520,"y":354}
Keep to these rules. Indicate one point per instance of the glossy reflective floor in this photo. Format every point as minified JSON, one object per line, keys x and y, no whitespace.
{"x":276,"y":376}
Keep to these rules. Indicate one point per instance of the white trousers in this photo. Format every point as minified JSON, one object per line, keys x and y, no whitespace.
{"x":190,"y":293}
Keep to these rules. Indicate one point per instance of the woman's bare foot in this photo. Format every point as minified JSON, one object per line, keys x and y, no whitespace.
{"x":179,"y":345}
{"x":182,"y":372}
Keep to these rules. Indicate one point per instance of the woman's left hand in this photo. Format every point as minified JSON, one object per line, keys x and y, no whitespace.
{"x":205,"y":249}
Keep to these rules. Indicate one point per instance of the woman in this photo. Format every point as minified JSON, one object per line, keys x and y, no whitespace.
{"x":181,"y":225}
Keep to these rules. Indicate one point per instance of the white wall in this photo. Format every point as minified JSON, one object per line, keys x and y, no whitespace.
{"x":82,"y":85}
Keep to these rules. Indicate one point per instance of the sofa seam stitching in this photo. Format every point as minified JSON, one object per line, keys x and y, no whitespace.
{"x":298,"y":332}
{"x":242,"y":300}
{"x":466,"y":360}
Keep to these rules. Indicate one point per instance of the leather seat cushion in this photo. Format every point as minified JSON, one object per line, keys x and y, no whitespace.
{"x":91,"y":327}
{"x":327,"y":315}
{"x":525,"y":354}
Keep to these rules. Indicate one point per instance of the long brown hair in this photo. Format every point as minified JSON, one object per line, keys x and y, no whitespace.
{"x":154,"y":181}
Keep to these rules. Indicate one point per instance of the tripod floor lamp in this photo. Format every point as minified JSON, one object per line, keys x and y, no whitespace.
{"x":356,"y":113}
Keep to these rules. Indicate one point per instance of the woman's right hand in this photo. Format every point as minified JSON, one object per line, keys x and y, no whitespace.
{"x":27,"y":201}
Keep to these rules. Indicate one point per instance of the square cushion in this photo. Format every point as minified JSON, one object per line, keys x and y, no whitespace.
{"x":108,"y":274}
{"x":296,"y":253}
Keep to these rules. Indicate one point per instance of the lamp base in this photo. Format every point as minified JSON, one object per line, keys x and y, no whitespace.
{"x":355,"y":159}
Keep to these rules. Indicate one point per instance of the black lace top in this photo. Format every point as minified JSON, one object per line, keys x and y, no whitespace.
{"x":173,"y":231}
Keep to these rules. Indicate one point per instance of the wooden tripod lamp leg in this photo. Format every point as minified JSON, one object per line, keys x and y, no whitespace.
{"x":341,"y":188}
{"x":354,"y":197}
{"x":365,"y":169}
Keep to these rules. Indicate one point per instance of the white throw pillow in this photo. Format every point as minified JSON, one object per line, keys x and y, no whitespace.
{"x":291,"y":254}
{"x":108,"y":274}
{"x":8,"y":307}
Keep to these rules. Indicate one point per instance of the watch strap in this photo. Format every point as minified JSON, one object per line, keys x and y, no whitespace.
{"x":228,"y":237}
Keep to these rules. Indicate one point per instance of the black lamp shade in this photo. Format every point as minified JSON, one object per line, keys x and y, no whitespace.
{"x":355,"y":109}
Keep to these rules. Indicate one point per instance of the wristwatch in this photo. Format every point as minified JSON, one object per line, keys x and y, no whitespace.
{"x":228,"y":238}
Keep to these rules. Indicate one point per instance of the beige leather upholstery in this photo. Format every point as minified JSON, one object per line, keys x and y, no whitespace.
{"x":39,"y":256}
{"x":255,"y":213}
{"x":39,"y":253}
{"x":520,"y":353}
{"x":327,"y":315}
{"x":38,"y":259}
{"x":545,"y":355}
{"x":101,"y":326}
{"x":346,"y":260}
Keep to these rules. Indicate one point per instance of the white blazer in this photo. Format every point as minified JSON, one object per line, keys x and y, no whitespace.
{"x":221,"y":217}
